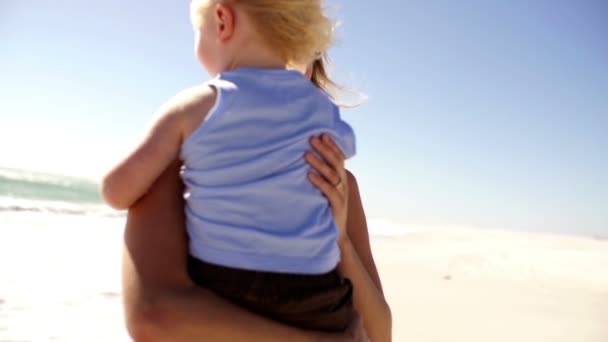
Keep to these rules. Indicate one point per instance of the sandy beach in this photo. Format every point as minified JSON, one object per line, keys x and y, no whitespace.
{"x":478,"y":285}
{"x":59,"y":281}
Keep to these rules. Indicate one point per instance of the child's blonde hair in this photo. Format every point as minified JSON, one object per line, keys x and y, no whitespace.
{"x":297,"y":30}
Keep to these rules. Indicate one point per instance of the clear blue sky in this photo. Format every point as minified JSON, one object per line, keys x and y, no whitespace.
{"x":480,"y":113}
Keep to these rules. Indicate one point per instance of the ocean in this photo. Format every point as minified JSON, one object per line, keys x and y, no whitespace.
{"x":29,"y":191}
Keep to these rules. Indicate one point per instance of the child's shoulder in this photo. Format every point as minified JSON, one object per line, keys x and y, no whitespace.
{"x":191,"y":99}
{"x":190,"y":106}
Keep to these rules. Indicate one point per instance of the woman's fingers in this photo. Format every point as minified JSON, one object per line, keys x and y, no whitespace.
{"x":331,"y":180}
{"x":332,"y":144}
{"x":331,"y":192}
{"x":324,"y":169}
{"x":326,"y":151}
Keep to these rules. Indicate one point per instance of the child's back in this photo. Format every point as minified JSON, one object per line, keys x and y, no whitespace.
{"x":249,"y":202}
{"x":261,"y":235}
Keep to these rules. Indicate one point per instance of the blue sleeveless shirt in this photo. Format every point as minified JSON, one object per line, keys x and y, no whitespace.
{"x":249,"y":203}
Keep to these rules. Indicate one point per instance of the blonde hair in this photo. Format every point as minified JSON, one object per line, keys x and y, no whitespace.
{"x":320,"y":78}
{"x":297,"y":30}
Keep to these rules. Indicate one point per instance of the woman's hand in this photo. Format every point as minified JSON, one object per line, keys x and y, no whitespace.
{"x":340,"y":187}
{"x":331,"y":179}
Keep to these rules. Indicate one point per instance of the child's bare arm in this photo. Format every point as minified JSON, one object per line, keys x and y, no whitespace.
{"x":132,"y":177}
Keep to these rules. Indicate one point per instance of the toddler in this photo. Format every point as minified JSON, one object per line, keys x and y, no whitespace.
{"x":261,"y":235}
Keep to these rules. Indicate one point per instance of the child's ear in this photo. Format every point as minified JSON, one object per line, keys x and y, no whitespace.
{"x":224,"y":18}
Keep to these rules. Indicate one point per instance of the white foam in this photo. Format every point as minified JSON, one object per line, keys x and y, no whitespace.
{"x":11,"y":204}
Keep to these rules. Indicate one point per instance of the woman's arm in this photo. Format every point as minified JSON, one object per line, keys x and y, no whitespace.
{"x":161,"y":302}
{"x":357,"y":263}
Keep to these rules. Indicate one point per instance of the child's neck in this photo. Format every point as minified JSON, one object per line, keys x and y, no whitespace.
{"x":255,"y":55}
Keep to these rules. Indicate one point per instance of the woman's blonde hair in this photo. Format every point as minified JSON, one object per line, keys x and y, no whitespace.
{"x":297,"y":30}
{"x":320,"y":78}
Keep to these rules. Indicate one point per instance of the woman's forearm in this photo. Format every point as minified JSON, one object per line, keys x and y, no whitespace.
{"x":196,"y":314}
{"x":161,"y":305}
{"x":369,"y":301}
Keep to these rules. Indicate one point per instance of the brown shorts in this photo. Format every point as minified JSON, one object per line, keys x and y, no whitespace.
{"x":317,"y":302}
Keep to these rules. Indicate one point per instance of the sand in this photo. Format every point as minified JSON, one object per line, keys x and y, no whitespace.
{"x":475,"y":285}
{"x":59,"y":281}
